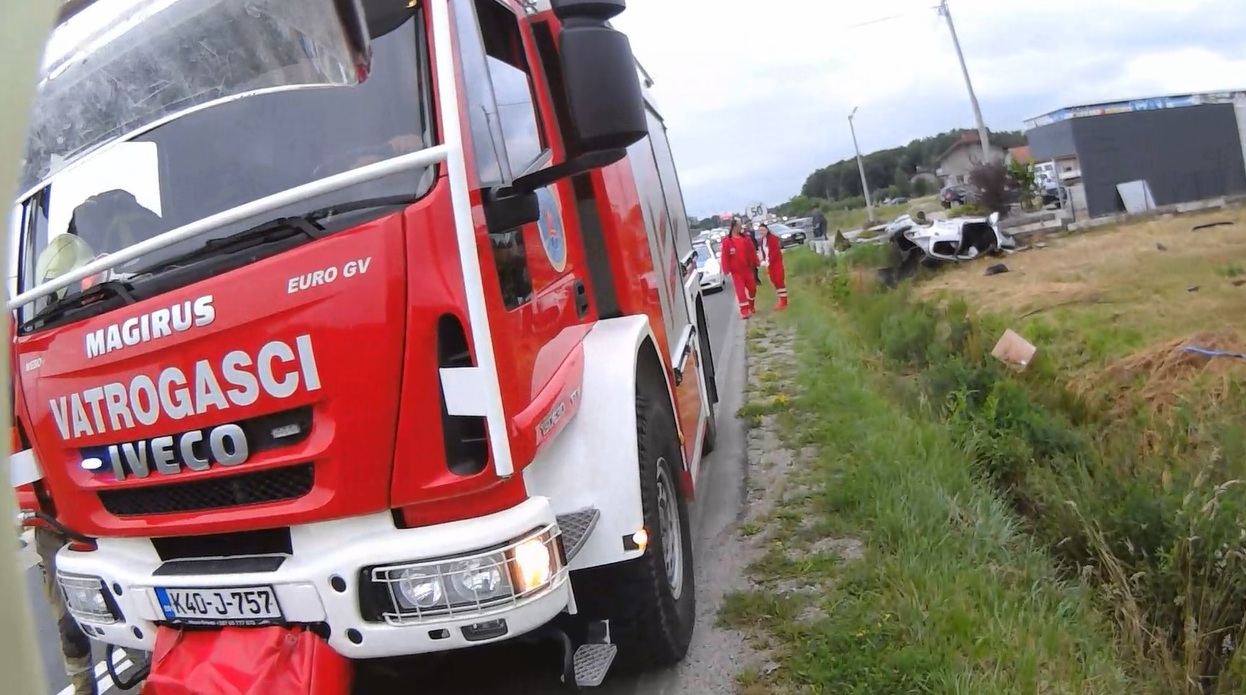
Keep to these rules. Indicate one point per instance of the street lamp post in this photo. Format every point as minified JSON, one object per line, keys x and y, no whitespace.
{"x":865,"y":186}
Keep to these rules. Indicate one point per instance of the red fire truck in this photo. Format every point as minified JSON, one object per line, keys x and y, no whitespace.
{"x":369,"y":327}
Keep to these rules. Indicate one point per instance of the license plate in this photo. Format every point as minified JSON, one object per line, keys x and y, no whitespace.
{"x":249,"y":605}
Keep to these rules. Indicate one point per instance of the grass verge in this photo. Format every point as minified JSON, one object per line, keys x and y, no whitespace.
{"x":1123,"y":452}
{"x":889,"y":566}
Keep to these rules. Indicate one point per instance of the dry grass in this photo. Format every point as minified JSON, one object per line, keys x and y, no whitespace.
{"x":1120,"y":278}
{"x":1111,"y":310}
{"x":1121,"y":265}
{"x":1157,"y":374}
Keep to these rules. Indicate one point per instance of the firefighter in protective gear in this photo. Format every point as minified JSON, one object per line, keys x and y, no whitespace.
{"x":113,"y":220}
{"x":75,"y":645}
{"x":105,"y":223}
{"x":772,"y":260}
{"x":739,"y":260}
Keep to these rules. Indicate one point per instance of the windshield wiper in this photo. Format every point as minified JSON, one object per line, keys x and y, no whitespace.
{"x":266,"y":233}
{"x":356,"y":205}
{"x":95,"y":295}
{"x":282,"y":228}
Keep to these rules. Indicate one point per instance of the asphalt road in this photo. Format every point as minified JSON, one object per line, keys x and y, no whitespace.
{"x":524,"y":669}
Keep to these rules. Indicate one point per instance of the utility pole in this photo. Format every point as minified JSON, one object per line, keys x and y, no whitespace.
{"x":865,"y":186}
{"x":973,"y":99}
{"x":22,"y":32}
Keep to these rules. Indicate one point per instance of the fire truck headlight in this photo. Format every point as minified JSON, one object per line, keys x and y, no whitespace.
{"x":419,"y":589}
{"x":87,"y":599}
{"x":533,"y":563}
{"x":413,"y":592}
{"x":479,"y":579}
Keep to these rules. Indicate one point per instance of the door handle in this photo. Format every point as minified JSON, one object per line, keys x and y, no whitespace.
{"x":581,"y":298}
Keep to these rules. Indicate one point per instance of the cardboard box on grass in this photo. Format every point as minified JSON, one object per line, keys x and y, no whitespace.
{"x":1014,"y":350}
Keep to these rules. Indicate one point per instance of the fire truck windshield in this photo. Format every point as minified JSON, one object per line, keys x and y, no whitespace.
{"x":244,"y":123}
{"x":121,"y":65}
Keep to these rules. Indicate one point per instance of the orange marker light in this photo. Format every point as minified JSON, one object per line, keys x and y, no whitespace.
{"x":641,"y":539}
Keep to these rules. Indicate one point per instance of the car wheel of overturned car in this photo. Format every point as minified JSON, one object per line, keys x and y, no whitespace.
{"x":650,"y":601}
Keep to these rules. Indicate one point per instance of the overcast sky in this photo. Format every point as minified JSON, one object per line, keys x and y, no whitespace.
{"x":756,"y":94}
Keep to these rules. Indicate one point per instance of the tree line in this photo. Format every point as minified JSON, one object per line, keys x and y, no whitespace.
{"x":892,"y":168}
{"x":889,"y":172}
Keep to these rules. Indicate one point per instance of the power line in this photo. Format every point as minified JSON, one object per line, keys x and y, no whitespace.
{"x":880,"y":20}
{"x":893,"y":17}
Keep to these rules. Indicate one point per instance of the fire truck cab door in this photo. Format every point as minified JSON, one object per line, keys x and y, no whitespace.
{"x":537,"y":308}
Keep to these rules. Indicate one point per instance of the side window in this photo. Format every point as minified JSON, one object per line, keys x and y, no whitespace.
{"x":507,"y":138}
{"x":670,"y":184}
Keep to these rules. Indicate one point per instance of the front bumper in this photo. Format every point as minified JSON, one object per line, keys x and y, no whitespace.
{"x":323,"y":580}
{"x":712,"y":282}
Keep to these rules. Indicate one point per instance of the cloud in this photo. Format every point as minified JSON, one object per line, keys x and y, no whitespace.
{"x":756,"y":95}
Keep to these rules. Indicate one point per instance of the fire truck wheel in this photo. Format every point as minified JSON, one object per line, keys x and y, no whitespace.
{"x":650,"y":601}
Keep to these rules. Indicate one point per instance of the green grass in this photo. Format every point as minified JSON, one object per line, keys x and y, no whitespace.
{"x":858,"y":218}
{"x":950,"y":596}
{"x":1120,"y":458}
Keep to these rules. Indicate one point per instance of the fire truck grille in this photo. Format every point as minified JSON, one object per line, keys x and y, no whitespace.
{"x":261,"y":487}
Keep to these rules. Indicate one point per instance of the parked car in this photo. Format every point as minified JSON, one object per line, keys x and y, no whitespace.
{"x":709,"y":265}
{"x":954,"y":195}
{"x":787,"y":235}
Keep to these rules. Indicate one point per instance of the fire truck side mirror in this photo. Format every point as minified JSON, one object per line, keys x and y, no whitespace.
{"x":599,"y":74}
{"x":510,"y":208}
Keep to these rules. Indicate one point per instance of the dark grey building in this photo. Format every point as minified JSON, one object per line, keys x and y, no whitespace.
{"x":1186,"y":148}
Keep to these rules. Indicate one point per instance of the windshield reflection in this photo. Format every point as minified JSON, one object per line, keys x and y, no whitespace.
{"x":121,"y":65}
{"x":232,"y":153}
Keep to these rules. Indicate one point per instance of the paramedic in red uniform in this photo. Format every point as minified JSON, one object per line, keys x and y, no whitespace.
{"x":739,"y":260}
{"x":772,"y":258}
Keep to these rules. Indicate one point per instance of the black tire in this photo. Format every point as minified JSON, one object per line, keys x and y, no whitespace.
{"x":651,"y":624}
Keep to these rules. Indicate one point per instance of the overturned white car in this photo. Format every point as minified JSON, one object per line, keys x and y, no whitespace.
{"x":959,"y":239}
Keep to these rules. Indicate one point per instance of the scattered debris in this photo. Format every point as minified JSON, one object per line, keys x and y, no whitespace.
{"x":841,"y":242}
{"x":1040,"y":245}
{"x":910,"y":262}
{"x":1213,"y":353}
{"x":768,"y":668}
{"x":1014,"y":350}
{"x":996,"y":269}
{"x":1208,"y":225}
